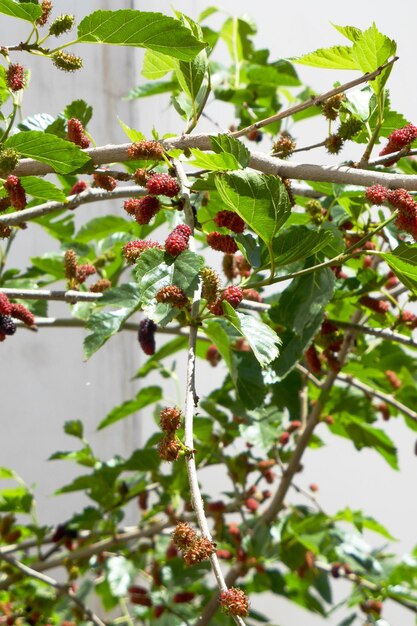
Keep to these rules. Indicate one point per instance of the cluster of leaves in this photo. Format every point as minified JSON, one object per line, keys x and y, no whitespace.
{"x":350,"y":274}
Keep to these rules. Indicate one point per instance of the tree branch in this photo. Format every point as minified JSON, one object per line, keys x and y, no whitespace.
{"x":70,"y":295}
{"x":385,"y":397}
{"x":191,"y":397}
{"x":382,"y":333}
{"x":315,"y":100}
{"x":85,"y":197}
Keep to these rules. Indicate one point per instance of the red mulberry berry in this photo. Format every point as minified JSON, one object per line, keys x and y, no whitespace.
{"x":213,"y":356}
{"x":5,"y":304}
{"x":141,"y":177}
{"x":4,"y":204}
{"x":252,"y":295}
{"x":158,"y":611}
{"x":76,"y":133}
{"x":162,"y":185}
{"x":20,"y":312}
{"x":313,"y":360}
{"x":379,"y":306}
{"x":79,"y":187}
{"x":146,"y":336}
{"x":183,"y":596}
{"x":100,"y":285}
{"x":393,"y":379}
{"x":177,"y":241}
{"x":399,"y":139}
{"x":407,"y":317}
{"x":384,"y":409}
{"x":46,"y":7}
{"x":133,"y":249}
{"x":131,"y":204}
{"x":169,"y":448}
{"x":84,"y":271}
{"x":104,"y":181}
{"x":170,"y":419}
{"x":252,"y":504}
{"x":401,"y":199}
{"x":234,"y":602}
{"x":377,"y":194}
{"x":7,"y":325}
{"x":294,"y":425}
{"x":243,"y":266}
{"x":230,"y":220}
{"x":254,"y":135}
{"x":222,"y":243}
{"x":183,"y":535}
{"x":233,"y":295}
{"x":224,"y":554}
{"x":15,"y":191}
{"x":146,"y":208}
{"x":284,"y":438}
{"x":200,"y":550}
{"x":15,"y":77}
{"x":173,"y":295}
{"x":146,"y":150}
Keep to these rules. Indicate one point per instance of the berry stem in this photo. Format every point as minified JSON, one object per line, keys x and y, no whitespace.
{"x":11,"y":121}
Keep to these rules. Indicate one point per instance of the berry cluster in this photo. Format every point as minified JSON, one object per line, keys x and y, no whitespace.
{"x":15,"y":77}
{"x":147,"y":150}
{"x":162,"y":185}
{"x":195,"y":549}
{"x":104,"y":181}
{"x":15,"y":192}
{"x":76,"y":133}
{"x":378,"y":306}
{"x":170,"y":419}
{"x":377,"y":194}
{"x":230,"y":220}
{"x":173,"y":295}
{"x":9,"y":310}
{"x":234,"y":601}
{"x":133,"y":249}
{"x":75,"y":273}
{"x":233,"y":295}
{"x":78,"y":187}
{"x":177,"y":241}
{"x":222,"y":243}
{"x":146,"y":336}
{"x":400,"y":138}
{"x":169,"y":448}
{"x":144,"y":209}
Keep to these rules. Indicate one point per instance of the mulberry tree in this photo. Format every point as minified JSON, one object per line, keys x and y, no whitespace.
{"x":293,"y":279}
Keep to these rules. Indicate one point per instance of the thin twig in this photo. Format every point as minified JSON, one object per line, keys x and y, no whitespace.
{"x":382,"y":333}
{"x":70,"y":295}
{"x":60,"y":588}
{"x":315,"y":100}
{"x":375,"y":393}
{"x":191,"y":397}
{"x":85,"y":197}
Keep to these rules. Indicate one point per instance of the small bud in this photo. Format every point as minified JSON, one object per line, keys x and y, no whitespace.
{"x":100,"y":285}
{"x":284,"y":438}
{"x":333,"y":144}
{"x":284,"y":146}
{"x":393,"y":379}
{"x":213,"y":356}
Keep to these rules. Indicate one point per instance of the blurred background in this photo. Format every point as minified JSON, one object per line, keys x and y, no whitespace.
{"x":45,"y":382}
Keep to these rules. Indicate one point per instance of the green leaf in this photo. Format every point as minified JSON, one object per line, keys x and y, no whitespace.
{"x":336,"y":58}
{"x":299,"y":242}
{"x":23,"y":10}
{"x":403,"y":262}
{"x":102,"y":227}
{"x":262,"y":339}
{"x":371,"y":50}
{"x":156,"y":269}
{"x":260,"y":199}
{"x":152,"y":89}
{"x":351,"y":32}
{"x":168,"y":349}
{"x":145,"y":460}
{"x":126,"y":27}
{"x":156,"y":65}
{"x":17,"y":500}
{"x":214,"y":162}
{"x":236,"y":34}
{"x":79,"y":109}
{"x":301,"y":309}
{"x":63,"y":156}
{"x":190,"y":74}
{"x":6,"y":473}
{"x":74,"y":428}
{"x":230,"y":145}
{"x":42,"y":189}
{"x":362,"y":521}
{"x":146,"y":396}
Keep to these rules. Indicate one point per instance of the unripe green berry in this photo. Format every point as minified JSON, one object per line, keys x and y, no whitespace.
{"x":9,"y":159}
{"x":67,"y":62}
{"x":61,"y":25}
